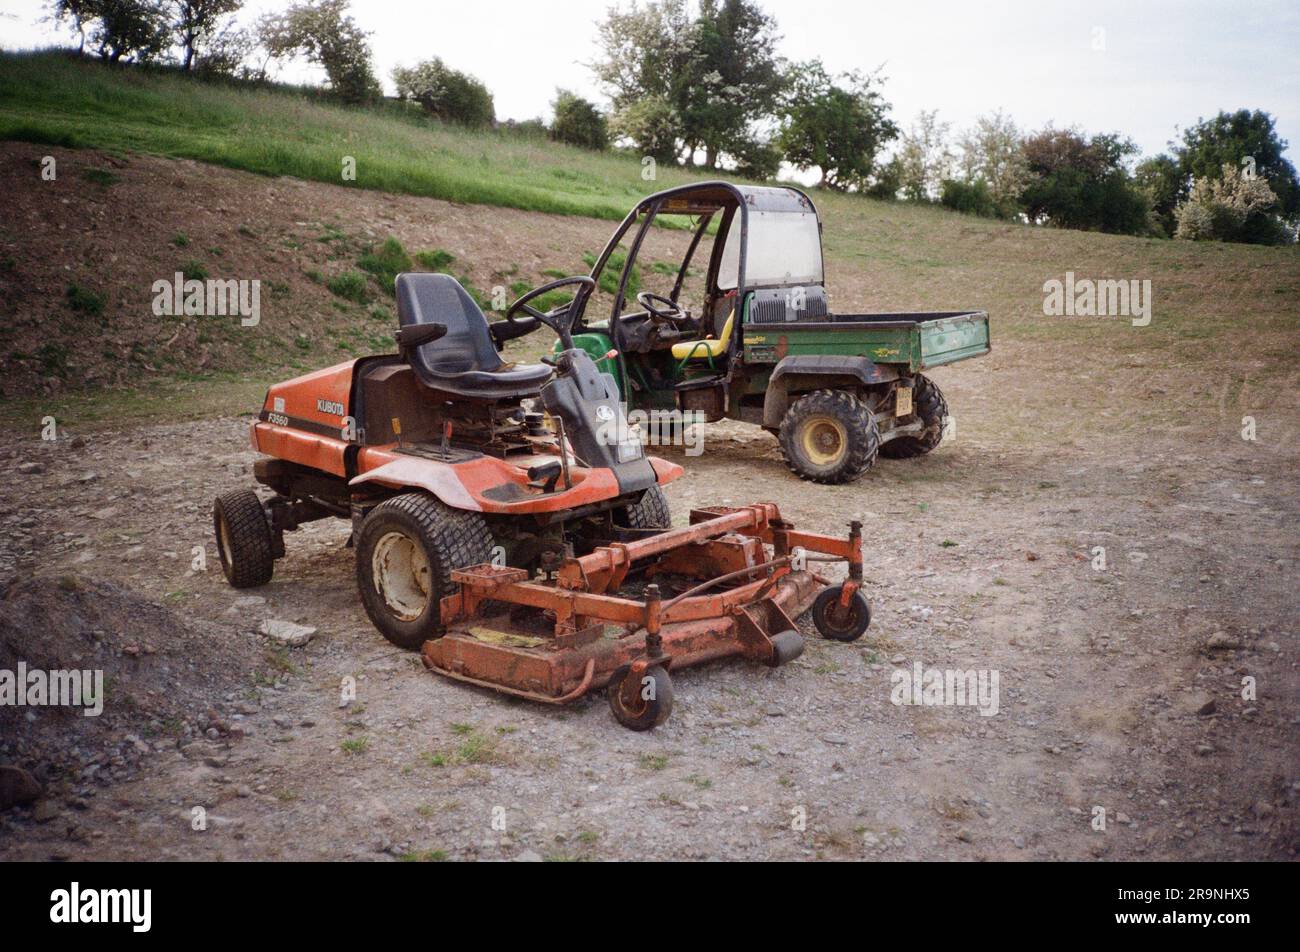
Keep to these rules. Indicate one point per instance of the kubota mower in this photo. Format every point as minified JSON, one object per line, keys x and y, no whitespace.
{"x":508,"y":524}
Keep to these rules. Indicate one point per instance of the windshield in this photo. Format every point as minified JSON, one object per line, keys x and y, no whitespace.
{"x":784,"y":248}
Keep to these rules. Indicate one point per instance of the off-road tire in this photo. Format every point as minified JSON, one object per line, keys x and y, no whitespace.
{"x":449,"y":539}
{"x":851,"y":427}
{"x":649,"y":512}
{"x":929,"y":404}
{"x":246,"y":546}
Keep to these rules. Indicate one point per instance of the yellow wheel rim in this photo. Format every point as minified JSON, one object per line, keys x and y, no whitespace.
{"x":824,"y":440}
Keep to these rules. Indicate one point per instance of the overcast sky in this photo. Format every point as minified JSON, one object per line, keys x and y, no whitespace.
{"x":1140,"y":67}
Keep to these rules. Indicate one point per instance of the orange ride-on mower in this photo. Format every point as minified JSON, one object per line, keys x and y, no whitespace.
{"x":508,"y":524}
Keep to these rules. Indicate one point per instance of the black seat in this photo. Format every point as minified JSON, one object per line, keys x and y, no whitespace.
{"x":464,"y":361}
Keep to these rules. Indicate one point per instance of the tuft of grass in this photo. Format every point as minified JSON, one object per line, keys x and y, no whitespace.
{"x":424,"y":856}
{"x":435,"y":260}
{"x":350,"y":285}
{"x":194,"y":270}
{"x":386,"y":264}
{"x":653,"y":761}
{"x":355,"y":745}
{"x":85,"y":301}
{"x":102,"y":177}
{"x":180,"y":239}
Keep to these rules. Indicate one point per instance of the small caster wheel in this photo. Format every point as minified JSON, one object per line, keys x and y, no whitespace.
{"x":838,"y":623}
{"x":244,"y":539}
{"x":640,"y":703}
{"x":788,"y":645}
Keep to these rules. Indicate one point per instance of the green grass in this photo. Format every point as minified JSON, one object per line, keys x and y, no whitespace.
{"x":51,"y":98}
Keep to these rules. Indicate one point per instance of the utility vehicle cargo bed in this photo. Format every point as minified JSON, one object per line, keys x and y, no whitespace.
{"x":918,"y":340}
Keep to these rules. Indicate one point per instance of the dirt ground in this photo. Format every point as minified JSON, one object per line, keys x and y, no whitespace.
{"x":1121,"y":687}
{"x":979,"y":558}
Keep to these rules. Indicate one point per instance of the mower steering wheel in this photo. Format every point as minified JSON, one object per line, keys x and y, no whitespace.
{"x":560,"y":318}
{"x":674,"y":316}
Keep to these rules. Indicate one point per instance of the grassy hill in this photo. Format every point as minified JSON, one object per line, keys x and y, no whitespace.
{"x":509,"y":211}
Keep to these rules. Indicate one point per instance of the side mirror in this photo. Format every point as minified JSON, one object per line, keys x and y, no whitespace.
{"x":416,"y":335}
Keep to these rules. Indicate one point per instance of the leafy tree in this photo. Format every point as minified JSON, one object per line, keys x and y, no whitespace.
{"x":652,"y":124}
{"x":1162,"y":181}
{"x":449,"y":94}
{"x":325,"y":34}
{"x":1078,"y":182}
{"x":647,"y":52}
{"x":198,"y":21}
{"x":119,"y":30}
{"x":81,"y":13}
{"x":734,"y":80}
{"x":837,"y":127}
{"x":578,"y":122}
{"x":1244,"y":140}
{"x":1231,"y":207}
{"x":969,"y":198}
{"x":991,"y":151}
{"x":756,"y":158}
{"x":924,"y":159}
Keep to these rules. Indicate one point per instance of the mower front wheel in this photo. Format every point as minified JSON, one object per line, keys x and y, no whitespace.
{"x":406,"y":551}
{"x":649,"y":512}
{"x":839,"y":622}
{"x":640,"y":703}
{"x":244,"y":540}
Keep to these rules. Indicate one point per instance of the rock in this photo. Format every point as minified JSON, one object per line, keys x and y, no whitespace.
{"x":1204,"y":750}
{"x":839,"y":740}
{"x":17,"y":787}
{"x":528,"y":856}
{"x":30,"y":469}
{"x":1222,"y":641}
{"x":1206,"y":709}
{"x":964,"y":835}
{"x":287,"y":633}
{"x":45,"y":811}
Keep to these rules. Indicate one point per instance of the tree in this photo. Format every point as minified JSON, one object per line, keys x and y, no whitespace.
{"x":80,"y":12}
{"x":578,"y":122}
{"x":1231,"y":207}
{"x":133,"y":30}
{"x":924,"y":160}
{"x":734,"y":80}
{"x":1246,"y":141}
{"x":991,"y":152}
{"x":837,"y":128}
{"x":449,"y":94}
{"x":647,"y":52}
{"x":1161,"y":180}
{"x":1077,"y":182}
{"x":198,"y":21}
{"x":326,"y":35}
{"x":653,"y":126}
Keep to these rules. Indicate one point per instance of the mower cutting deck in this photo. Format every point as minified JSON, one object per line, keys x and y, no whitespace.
{"x":508,"y":524}
{"x":731,"y":583}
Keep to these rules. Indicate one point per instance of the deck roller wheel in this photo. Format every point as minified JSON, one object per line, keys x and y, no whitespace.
{"x":640,"y":703}
{"x":787,"y":646}
{"x":838,"y":622}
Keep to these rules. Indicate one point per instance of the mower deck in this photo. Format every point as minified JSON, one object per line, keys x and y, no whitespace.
{"x":731,"y":583}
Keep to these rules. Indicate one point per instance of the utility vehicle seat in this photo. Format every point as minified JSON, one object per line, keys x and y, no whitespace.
{"x":708,"y":348}
{"x":464,"y":361}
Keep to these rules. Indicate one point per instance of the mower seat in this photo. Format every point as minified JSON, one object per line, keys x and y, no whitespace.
{"x":464,"y":361}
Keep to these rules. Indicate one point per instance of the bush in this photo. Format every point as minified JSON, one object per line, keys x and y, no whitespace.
{"x":653,"y":126}
{"x":758,"y":160}
{"x":386,"y":264}
{"x":450,"y":95}
{"x":970,"y":198}
{"x":350,"y":285}
{"x":1233,"y":208}
{"x":85,"y":301}
{"x":578,"y":122}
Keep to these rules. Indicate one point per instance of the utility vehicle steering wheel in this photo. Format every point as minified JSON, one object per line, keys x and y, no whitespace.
{"x":674,"y":315}
{"x":559,"y":319}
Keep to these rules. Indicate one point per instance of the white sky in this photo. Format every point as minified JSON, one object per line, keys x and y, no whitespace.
{"x":1163,"y":63}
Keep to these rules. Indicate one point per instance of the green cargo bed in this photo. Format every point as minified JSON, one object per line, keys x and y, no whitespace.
{"x":919,"y":340}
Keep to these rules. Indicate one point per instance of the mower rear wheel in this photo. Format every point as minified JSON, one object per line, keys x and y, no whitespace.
{"x":406,"y":551}
{"x":829,"y":436}
{"x":932,"y":410}
{"x":838,"y":622}
{"x":640,"y":703}
{"x":649,"y":512}
{"x":244,"y":540}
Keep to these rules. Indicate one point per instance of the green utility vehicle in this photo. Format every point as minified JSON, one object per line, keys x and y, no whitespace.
{"x":837,"y":390}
